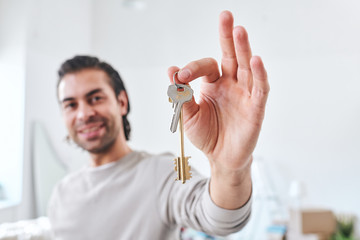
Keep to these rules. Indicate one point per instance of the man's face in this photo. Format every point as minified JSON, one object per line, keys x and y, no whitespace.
{"x":92,"y":112}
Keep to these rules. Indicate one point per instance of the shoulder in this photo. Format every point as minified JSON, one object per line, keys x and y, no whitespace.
{"x":69,"y":180}
{"x":155,"y":159}
{"x":157,"y":166}
{"x":152,"y":156}
{"x":61,"y":187}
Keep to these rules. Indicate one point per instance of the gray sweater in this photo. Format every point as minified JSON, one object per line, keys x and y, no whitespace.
{"x":137,"y":198}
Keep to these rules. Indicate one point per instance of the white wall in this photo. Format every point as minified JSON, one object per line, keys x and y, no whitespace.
{"x":310,"y":48}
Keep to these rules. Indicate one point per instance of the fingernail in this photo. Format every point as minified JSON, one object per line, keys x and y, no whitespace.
{"x":184,"y":73}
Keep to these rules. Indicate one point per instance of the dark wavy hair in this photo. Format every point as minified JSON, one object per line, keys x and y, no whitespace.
{"x":79,"y":63}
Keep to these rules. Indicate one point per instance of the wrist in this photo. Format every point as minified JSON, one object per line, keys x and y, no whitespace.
{"x":230,"y":175}
{"x":231,"y":189}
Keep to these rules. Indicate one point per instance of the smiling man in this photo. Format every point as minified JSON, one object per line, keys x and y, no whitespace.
{"x":127,"y":194}
{"x":94,"y":101}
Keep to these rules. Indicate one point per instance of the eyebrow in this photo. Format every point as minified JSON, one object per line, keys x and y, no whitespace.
{"x":86,"y":95}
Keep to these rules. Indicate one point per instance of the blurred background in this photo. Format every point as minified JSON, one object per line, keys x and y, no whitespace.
{"x":308,"y":153}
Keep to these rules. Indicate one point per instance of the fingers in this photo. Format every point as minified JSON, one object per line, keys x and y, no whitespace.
{"x":243,"y":56}
{"x":228,"y":63}
{"x":242,"y":48}
{"x":261,"y":85}
{"x":206,"y":68}
{"x":236,"y":51}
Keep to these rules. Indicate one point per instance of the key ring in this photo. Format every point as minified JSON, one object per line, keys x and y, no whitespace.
{"x":177,"y":85}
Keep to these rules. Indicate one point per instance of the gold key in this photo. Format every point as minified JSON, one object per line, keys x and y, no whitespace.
{"x":181,"y":163}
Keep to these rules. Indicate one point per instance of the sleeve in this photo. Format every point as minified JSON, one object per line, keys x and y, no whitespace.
{"x":51,"y":208}
{"x":190,"y":204}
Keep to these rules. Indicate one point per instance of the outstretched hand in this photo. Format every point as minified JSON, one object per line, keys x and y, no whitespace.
{"x":226,"y":122}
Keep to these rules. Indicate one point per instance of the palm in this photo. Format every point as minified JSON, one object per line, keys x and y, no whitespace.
{"x":232,"y":123}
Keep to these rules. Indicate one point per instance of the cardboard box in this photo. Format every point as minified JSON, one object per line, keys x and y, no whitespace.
{"x":319,"y":221}
{"x":311,"y":224}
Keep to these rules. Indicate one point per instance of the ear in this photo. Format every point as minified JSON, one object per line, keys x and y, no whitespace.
{"x":123,"y":102}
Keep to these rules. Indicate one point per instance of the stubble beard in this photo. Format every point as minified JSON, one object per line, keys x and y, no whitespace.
{"x":106,"y":141}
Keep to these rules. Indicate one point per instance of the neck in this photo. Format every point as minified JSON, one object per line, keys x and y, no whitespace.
{"x":119,"y":149}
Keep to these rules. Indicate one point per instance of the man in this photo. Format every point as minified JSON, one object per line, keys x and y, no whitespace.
{"x":127,"y":194}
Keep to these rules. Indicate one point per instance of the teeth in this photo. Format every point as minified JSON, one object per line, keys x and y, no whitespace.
{"x":93,"y":129}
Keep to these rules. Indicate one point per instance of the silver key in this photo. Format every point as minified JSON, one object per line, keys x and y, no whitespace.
{"x":179,"y":94}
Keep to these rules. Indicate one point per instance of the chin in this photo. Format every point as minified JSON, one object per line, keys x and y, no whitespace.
{"x":97,"y":148}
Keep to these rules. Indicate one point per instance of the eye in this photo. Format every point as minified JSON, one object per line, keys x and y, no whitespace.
{"x":70,"y":105}
{"x":95,"y":99}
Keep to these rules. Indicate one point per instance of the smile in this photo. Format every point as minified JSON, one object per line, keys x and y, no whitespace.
{"x":91,"y":132}
{"x":93,"y":129}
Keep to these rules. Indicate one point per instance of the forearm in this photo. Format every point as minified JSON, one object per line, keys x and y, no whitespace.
{"x":230,"y":189}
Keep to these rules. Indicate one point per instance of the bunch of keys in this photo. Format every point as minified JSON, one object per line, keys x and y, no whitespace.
{"x":178,"y":95}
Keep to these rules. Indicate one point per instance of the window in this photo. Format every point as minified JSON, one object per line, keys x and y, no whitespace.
{"x":12,"y":131}
{"x":12,"y":95}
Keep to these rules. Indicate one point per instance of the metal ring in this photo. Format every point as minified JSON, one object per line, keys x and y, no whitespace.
{"x":177,"y":85}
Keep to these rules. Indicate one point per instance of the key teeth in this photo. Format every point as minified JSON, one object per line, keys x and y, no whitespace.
{"x":176,"y":166}
{"x":187,"y":175}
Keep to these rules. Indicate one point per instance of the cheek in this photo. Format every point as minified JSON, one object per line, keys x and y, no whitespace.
{"x":69,"y":121}
{"x":115,"y":117}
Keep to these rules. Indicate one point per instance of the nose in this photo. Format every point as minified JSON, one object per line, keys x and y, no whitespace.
{"x":85,"y":111}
